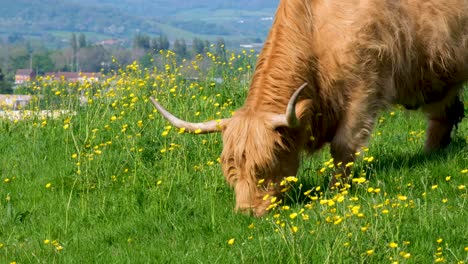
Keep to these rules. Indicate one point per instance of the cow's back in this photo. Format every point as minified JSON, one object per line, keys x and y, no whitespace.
{"x":413,"y":51}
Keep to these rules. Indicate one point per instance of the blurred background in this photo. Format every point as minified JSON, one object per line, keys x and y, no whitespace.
{"x":83,"y":36}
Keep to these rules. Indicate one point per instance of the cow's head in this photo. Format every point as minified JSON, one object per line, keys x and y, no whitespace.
{"x":256,"y":147}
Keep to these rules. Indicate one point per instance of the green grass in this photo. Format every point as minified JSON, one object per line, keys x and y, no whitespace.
{"x":102,"y":187}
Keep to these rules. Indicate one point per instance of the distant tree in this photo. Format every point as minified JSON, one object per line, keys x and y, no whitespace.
{"x":155,"y":45}
{"x":82,"y":41}
{"x":164,"y":42}
{"x":198,"y":46}
{"x":141,"y":41}
{"x":19,"y":58}
{"x":207,"y":46}
{"x":180,"y":48}
{"x":5,"y":87}
{"x":94,"y":58}
{"x":42,"y":62}
{"x":159,"y":43}
{"x":62,"y":59}
{"x":74,"y":47}
{"x":122,"y":57}
{"x":176,"y":45}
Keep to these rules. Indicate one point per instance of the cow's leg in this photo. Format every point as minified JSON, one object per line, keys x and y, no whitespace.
{"x":442,"y":117}
{"x":352,"y":134}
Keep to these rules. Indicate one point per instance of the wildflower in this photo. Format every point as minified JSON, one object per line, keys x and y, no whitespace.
{"x":434,"y":187}
{"x":6,"y":180}
{"x":439,"y":240}
{"x":338,"y":221}
{"x":464,"y":171}
{"x":293,"y":215}
{"x":48,"y":185}
{"x":402,"y":197}
{"x":393,"y":245}
{"x":340,"y":198}
{"x":359,"y":180}
{"x":294,"y":229}
{"x":231,"y":241}
{"x":405,"y":255}
{"x":198,"y":131}
{"x":448,"y":178}
{"x":370,"y":252}
{"x":437,"y":260}
{"x":461,"y":187}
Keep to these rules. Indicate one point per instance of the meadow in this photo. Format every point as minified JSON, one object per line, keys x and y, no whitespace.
{"x":110,"y":181}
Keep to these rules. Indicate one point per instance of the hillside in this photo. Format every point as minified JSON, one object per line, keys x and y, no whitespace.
{"x":233,"y":20}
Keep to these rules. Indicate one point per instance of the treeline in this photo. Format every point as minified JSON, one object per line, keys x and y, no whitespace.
{"x":80,"y":55}
{"x":147,"y":45}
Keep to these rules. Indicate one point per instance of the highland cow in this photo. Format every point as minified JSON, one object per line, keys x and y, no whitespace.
{"x":326,"y":70}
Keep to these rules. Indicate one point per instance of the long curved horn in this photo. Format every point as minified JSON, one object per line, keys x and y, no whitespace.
{"x":199,"y":128}
{"x":289,"y":119}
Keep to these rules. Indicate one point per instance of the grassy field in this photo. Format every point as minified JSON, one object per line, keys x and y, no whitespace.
{"x":114,"y":183}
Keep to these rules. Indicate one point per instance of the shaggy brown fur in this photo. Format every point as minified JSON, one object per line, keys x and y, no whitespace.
{"x":358,"y":57}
